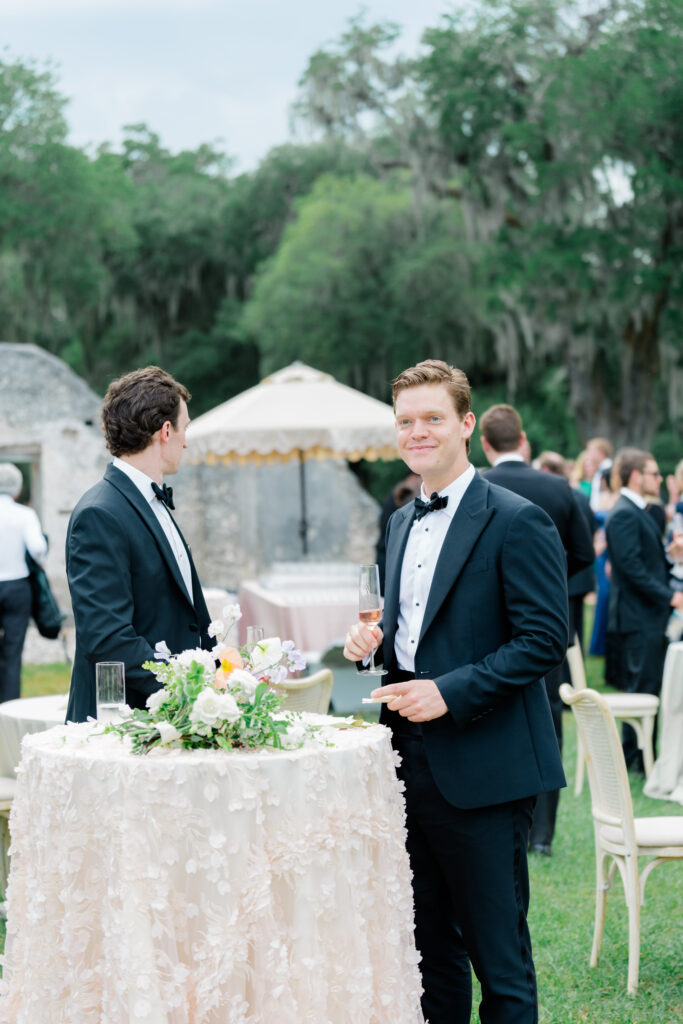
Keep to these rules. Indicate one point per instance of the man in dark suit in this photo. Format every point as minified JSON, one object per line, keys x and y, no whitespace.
{"x":130,"y":572}
{"x":502,"y":439}
{"x":640,"y":599}
{"x":475,"y":613}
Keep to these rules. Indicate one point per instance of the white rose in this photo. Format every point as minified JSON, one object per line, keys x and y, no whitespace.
{"x":243,"y":681}
{"x":229,"y":710}
{"x":265,"y":654}
{"x":204,"y":658}
{"x":168,"y":732}
{"x":210,"y":708}
{"x":156,"y":699}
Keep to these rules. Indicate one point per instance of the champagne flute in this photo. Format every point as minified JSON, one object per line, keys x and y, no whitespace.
{"x":370,"y":608}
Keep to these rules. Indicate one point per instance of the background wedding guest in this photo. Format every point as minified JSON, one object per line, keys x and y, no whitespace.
{"x":601,"y":643}
{"x":19,"y":532}
{"x":132,"y":579}
{"x":597,"y":460}
{"x":582,"y":582}
{"x":475,"y":613}
{"x":674,"y":486}
{"x":503,"y":439}
{"x":640,"y":596}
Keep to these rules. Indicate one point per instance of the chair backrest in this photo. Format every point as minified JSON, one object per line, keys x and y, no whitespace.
{"x":607,"y":775}
{"x":312,"y":693}
{"x":576,"y":666}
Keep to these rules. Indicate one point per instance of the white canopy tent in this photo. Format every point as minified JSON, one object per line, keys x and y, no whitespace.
{"x":298,"y":413}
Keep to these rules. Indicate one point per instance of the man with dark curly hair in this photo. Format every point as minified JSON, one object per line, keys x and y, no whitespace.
{"x":131,"y":575}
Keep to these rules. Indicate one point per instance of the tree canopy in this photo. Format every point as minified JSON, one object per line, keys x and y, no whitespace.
{"x":510,"y":199}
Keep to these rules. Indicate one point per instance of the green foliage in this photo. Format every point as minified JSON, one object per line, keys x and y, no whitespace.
{"x":509,"y":200}
{"x":364,"y":284}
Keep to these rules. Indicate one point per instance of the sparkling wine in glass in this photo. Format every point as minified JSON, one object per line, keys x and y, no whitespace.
{"x":370,"y":608}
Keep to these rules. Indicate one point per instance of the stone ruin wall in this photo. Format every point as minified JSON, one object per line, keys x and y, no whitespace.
{"x":238,"y":520}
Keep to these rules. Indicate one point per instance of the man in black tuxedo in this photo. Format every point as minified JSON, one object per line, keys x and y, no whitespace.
{"x":502,"y":439}
{"x":130,"y":572}
{"x":475,"y":613}
{"x":640,"y":599}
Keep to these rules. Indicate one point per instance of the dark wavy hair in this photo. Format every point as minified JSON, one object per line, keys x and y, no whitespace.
{"x":137,"y":405}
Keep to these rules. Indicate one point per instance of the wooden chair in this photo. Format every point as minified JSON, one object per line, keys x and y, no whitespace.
{"x":7,"y":787}
{"x":312,"y":693}
{"x":620,"y":839}
{"x":636,"y":709}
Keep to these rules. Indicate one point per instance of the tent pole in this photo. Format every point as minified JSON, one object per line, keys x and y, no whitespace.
{"x":303,"y":524}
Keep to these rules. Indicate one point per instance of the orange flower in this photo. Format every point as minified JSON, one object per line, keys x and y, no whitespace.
{"x":230,"y":660}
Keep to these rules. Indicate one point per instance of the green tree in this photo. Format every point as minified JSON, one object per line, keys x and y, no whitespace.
{"x":554,"y":127}
{"x":362,"y":284}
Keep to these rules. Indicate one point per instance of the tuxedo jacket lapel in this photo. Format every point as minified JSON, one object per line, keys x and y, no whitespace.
{"x":398,"y":538}
{"x":466,"y":527}
{"x":128,"y":489}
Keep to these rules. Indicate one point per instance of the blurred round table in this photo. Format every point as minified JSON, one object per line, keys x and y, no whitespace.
{"x":665,"y":781}
{"x":314,"y":616}
{"x":27,"y":714}
{"x":240,"y":887}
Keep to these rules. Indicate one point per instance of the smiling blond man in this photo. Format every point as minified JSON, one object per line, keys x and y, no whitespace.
{"x":475,"y":613}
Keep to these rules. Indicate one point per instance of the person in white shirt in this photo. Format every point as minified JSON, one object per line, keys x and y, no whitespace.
{"x":475,"y":613}
{"x":19,"y":532}
{"x":130,"y":572}
{"x":641,"y":597}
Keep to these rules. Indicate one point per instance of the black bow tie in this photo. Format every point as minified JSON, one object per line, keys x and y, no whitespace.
{"x":434,"y":503}
{"x":164,"y":493}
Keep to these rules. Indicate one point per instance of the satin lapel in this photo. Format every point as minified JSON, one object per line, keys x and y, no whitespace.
{"x":398,"y":538}
{"x":463,"y":533}
{"x":128,"y":489}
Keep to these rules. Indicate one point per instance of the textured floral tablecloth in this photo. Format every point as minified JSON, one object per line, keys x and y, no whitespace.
{"x":223,"y":888}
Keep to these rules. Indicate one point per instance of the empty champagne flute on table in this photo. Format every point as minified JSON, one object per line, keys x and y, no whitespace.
{"x":370,"y":609}
{"x":255,"y":634}
{"x":110,"y":682}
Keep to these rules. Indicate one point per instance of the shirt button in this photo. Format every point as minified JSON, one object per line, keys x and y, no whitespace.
{"x":412,"y":641}
{"x":417,"y":604}
{"x":419,"y":565}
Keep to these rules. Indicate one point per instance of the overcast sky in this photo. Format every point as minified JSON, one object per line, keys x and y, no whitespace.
{"x":194,"y":70}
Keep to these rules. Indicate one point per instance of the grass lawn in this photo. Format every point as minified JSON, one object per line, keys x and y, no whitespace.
{"x":37,"y":680}
{"x":562,"y":908}
{"x":562,"y":911}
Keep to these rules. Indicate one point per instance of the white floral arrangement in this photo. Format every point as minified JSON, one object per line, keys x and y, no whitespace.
{"x":217,"y":699}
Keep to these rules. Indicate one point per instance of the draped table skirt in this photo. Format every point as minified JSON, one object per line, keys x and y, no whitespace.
{"x":263,"y":887}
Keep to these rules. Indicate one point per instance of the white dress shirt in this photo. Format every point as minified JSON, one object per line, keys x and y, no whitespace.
{"x":509,"y":457}
{"x":144,"y":485}
{"x":19,"y":532}
{"x":633,"y":496}
{"x":419,"y":562}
